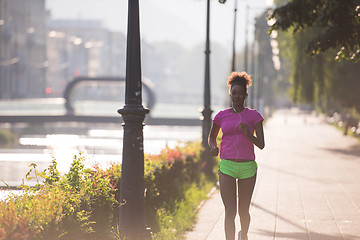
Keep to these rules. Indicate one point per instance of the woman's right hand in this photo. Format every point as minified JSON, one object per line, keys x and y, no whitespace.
{"x":215,"y":151}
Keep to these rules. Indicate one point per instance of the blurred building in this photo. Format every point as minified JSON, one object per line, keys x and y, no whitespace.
{"x":39,"y":56}
{"x":82,"y":48}
{"x":23,"y":62}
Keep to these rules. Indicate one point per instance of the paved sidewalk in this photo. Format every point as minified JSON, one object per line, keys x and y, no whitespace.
{"x":308,"y":185}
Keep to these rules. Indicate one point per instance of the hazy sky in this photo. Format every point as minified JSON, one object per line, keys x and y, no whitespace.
{"x":183,"y":21}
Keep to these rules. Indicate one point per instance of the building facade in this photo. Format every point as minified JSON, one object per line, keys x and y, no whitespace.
{"x":23,"y":62}
{"x":39,"y":55}
{"x":82,"y":48}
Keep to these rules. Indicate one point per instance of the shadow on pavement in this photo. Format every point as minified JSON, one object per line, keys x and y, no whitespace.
{"x":278,"y":216}
{"x":353,"y":150}
{"x":294,"y":174}
{"x":297,"y":235}
{"x":304,"y":235}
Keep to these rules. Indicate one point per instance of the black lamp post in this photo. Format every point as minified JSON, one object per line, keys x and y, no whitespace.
{"x":234,"y":36}
{"x":253,"y":69}
{"x":246,"y":39}
{"x":132,"y":211}
{"x":206,"y":111}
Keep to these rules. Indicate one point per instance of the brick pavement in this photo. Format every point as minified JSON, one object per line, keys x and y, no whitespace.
{"x":307,"y":186}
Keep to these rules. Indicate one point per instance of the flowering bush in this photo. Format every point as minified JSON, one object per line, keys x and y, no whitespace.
{"x":79,"y":205}
{"x":83,"y":204}
{"x":30,"y":215}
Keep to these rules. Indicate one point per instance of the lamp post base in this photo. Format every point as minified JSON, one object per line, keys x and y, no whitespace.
{"x":136,"y":234}
{"x":132,"y":212}
{"x":207,"y":158}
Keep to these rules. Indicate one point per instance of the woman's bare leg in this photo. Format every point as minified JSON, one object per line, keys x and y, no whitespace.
{"x":228,"y":195}
{"x":245,"y":191}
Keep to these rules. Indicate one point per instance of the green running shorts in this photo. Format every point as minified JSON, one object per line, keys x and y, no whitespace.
{"x":239,"y":170}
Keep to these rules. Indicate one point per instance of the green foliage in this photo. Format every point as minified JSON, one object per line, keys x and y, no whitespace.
{"x":31,"y":216}
{"x":174,"y":223}
{"x":79,"y":205}
{"x":7,"y":138}
{"x":52,"y":175}
{"x":83,"y":204}
{"x":343,"y":86}
{"x":169,"y":177}
{"x":319,"y":80}
{"x":338,"y":25}
{"x":92,"y":201}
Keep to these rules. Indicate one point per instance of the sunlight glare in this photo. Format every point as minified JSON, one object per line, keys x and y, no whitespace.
{"x":269,"y":3}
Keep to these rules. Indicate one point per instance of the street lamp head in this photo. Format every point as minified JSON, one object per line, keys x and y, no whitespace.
{"x":222,"y":1}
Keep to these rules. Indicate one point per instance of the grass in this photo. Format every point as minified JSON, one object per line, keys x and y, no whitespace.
{"x":175,"y":224}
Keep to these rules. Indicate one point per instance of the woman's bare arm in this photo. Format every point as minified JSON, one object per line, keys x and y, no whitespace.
{"x":214,"y":131}
{"x":258,"y":140}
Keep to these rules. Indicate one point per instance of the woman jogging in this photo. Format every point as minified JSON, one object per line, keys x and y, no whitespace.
{"x":237,"y":163}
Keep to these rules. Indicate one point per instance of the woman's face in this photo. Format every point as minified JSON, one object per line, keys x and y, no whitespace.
{"x":238,"y":95}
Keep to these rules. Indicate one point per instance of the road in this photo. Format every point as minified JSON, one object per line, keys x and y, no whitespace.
{"x":307,"y":186}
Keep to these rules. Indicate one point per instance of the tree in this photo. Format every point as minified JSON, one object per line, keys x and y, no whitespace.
{"x":338,"y":22}
{"x":319,"y":80}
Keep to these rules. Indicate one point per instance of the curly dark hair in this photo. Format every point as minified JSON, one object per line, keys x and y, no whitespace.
{"x":239,"y":78}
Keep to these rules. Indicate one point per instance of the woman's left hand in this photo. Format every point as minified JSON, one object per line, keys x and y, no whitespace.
{"x":244,"y":128}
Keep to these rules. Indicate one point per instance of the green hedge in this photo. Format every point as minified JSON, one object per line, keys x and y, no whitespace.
{"x":8,"y":138}
{"x":175,"y":186}
{"x":83,"y":204}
